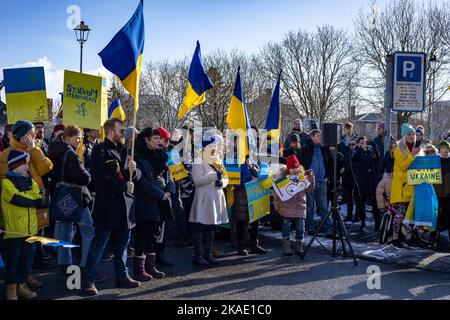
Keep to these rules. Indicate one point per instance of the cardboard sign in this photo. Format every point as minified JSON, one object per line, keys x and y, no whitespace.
{"x":289,"y":186}
{"x":85,"y":100}
{"x":425,"y":170}
{"x":176,"y":166}
{"x":26,"y":96}
{"x":234,"y":174}
{"x":258,"y":200}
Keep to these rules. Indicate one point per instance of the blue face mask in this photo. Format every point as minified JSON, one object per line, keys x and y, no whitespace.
{"x":14,"y":174}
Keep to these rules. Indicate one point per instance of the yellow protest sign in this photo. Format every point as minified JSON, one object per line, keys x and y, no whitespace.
{"x":425,"y":170}
{"x":258,"y":200}
{"x":85,"y":100}
{"x":176,"y":166}
{"x":233,"y":173}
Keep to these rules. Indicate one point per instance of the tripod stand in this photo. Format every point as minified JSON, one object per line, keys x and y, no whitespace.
{"x":338,"y":225}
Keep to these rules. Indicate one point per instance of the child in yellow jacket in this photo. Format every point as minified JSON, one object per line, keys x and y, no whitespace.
{"x":19,"y":199}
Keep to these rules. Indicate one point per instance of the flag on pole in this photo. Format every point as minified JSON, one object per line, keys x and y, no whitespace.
{"x":273,"y":123}
{"x":116,"y":111}
{"x":198,"y":84}
{"x":123,"y":55}
{"x":51,"y":242}
{"x":238,"y":120}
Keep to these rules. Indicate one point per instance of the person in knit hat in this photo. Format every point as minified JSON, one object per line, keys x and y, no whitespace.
{"x":23,"y":138}
{"x":20,"y":198}
{"x":420,"y":135}
{"x":401,"y":192}
{"x":443,"y":190}
{"x":294,"y":208}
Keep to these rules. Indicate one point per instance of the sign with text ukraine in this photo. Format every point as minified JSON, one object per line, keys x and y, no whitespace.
{"x":234,"y":173}
{"x":26,"y":96}
{"x":425,"y":170}
{"x":258,"y":200}
{"x":176,"y":166}
{"x":85,"y":100}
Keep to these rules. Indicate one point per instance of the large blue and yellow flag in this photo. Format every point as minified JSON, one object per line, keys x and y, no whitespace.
{"x":198,"y":84}
{"x":26,"y":97}
{"x":273,"y":123}
{"x":116,"y":111}
{"x":123,"y":55}
{"x":239,"y":122}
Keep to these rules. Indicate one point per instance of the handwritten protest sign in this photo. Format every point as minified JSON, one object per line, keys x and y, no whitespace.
{"x":26,"y":96}
{"x":85,"y":100}
{"x":258,"y":200}
{"x":176,"y":166}
{"x":234,"y":173}
{"x":425,"y":170}
{"x":289,"y":186}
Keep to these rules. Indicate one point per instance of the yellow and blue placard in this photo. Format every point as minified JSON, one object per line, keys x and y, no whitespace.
{"x":258,"y":200}
{"x":85,"y":100}
{"x":123,"y":55}
{"x":289,"y":186}
{"x":425,"y":170}
{"x":26,"y":95}
{"x":176,"y":166}
{"x":234,"y":173}
{"x":116,"y":111}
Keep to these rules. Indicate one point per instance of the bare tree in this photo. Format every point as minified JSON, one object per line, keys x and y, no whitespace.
{"x":402,"y":25}
{"x":317,"y":70}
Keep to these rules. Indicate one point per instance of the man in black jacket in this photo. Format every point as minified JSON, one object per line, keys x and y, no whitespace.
{"x":298,"y":129}
{"x":110,"y":169}
{"x":318,"y":159}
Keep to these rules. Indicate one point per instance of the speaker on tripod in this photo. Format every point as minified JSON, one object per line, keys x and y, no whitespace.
{"x":331,"y":135}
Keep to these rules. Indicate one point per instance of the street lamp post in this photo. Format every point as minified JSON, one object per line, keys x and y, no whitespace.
{"x":82,"y":34}
{"x":433,"y":66}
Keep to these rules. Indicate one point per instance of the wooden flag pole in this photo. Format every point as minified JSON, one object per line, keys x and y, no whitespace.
{"x":133,"y":137}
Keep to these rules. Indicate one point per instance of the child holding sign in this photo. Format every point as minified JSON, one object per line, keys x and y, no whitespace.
{"x":295,"y":207}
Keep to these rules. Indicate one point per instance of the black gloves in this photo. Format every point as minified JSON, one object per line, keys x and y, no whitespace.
{"x":219,"y":183}
{"x":219,"y":175}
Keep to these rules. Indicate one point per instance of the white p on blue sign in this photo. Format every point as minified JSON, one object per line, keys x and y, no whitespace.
{"x":409,"y":82}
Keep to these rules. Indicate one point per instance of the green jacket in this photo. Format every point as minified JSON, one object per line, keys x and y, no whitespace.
{"x":19,"y":199}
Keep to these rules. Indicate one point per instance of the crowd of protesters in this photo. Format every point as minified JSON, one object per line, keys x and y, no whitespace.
{"x":127,"y":201}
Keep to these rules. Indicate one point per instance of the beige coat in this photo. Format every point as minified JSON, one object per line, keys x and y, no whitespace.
{"x":384,"y":187}
{"x":209,"y":206}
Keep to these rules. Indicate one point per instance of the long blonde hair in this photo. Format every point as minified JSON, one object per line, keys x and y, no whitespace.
{"x":403,"y":147}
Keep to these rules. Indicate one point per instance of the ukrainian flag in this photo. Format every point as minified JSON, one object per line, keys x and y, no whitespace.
{"x":198,"y":84}
{"x":238,"y":121}
{"x":26,"y":97}
{"x":123,"y":55}
{"x":273,"y":123}
{"x":48,"y":242}
{"x":116,"y":111}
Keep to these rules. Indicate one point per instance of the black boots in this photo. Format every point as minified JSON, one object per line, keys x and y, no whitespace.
{"x":197,"y":238}
{"x":209,"y":239}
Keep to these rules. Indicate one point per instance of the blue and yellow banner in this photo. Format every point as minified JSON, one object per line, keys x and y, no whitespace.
{"x":289,"y":186}
{"x":116,"y":111}
{"x":48,"y":242}
{"x":258,"y":200}
{"x":239,"y":122}
{"x":198,"y":84}
{"x":273,"y":123}
{"x":26,"y":96}
{"x":176,"y":166}
{"x":85,"y":100}
{"x":123,"y":55}
{"x":425,"y":170}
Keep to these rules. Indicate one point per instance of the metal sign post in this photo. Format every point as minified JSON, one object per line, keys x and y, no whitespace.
{"x":388,"y":99}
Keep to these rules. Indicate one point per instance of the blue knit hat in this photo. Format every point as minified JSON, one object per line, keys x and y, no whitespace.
{"x":16,"y":158}
{"x":209,"y":141}
{"x":407,"y":129}
{"x":21,"y":128}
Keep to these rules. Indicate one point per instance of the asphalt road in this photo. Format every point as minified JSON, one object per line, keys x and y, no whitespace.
{"x":269,"y":277}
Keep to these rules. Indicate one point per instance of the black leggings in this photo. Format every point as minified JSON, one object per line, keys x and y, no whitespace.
{"x":146,"y":234}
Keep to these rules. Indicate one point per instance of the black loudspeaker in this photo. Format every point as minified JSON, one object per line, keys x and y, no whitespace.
{"x":331,"y":134}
